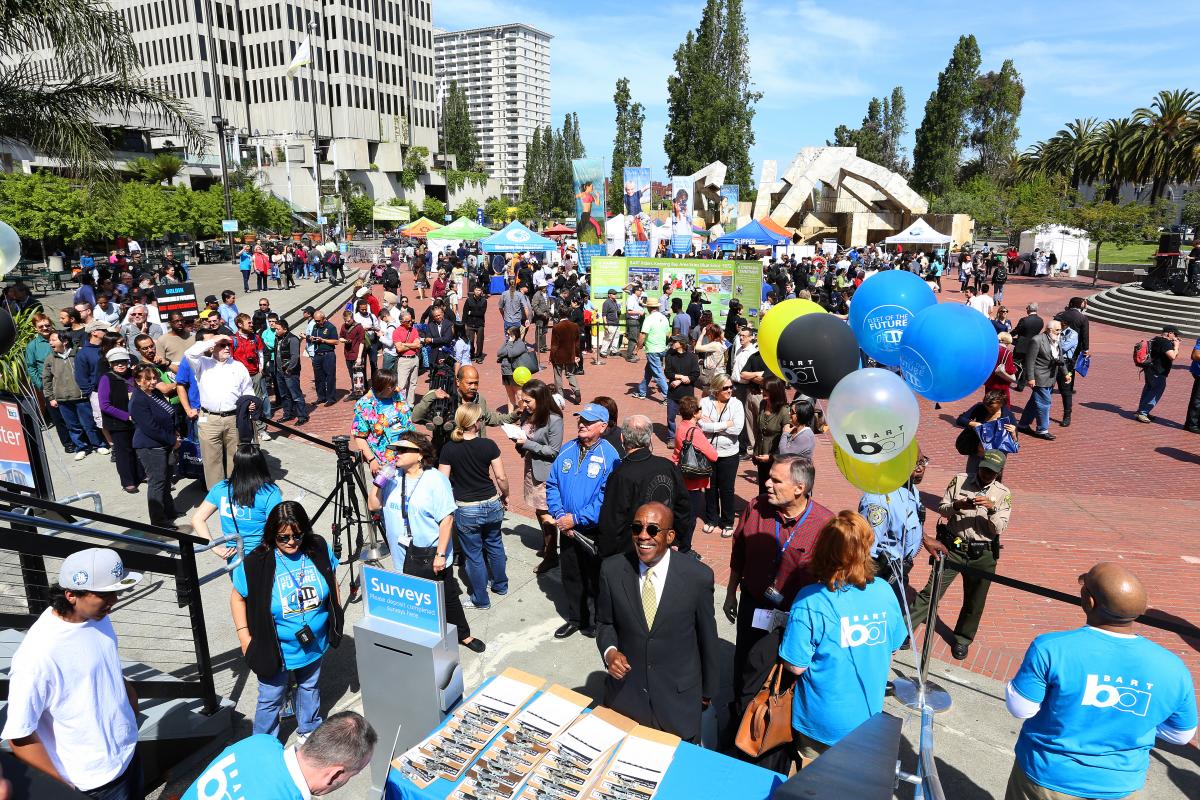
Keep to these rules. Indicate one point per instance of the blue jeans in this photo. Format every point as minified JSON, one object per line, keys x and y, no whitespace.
{"x":325,"y":376}
{"x":246,"y":281}
{"x":1152,"y":392}
{"x":127,"y":786}
{"x":478,"y":529}
{"x":653,"y":370}
{"x":271,"y":694}
{"x":293,"y":396}
{"x":77,"y":417}
{"x":1039,"y":406}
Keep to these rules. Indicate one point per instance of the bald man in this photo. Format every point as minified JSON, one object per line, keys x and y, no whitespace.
{"x":1093,"y":699}
{"x":656,"y":629}
{"x":467,"y":381}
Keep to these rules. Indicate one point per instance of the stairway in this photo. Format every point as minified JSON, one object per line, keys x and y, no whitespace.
{"x":1131,"y":306}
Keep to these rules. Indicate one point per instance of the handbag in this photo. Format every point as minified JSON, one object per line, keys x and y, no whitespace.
{"x":1083,"y":364}
{"x":767,"y":723}
{"x":967,"y":443}
{"x":692,"y":462}
{"x":993,"y":436}
{"x":529,"y":360}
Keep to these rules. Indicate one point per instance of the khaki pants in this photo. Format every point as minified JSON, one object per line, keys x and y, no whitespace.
{"x":406,"y":378}
{"x":607,"y":340}
{"x":1020,"y":787}
{"x":805,"y":750}
{"x":218,"y":442}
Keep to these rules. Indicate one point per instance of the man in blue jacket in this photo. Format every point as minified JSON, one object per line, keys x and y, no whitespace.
{"x":87,"y":375}
{"x":574,"y":495}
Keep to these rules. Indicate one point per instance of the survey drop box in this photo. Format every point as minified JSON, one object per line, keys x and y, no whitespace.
{"x":407,"y":662}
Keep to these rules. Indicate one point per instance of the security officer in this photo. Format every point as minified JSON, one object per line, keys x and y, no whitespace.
{"x":975,"y":511}
{"x":899,"y":522}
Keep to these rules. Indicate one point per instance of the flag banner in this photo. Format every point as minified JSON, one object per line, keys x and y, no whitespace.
{"x":589,"y":176}
{"x":302,"y":58}
{"x":637,"y":203}
{"x":728,"y":212}
{"x":681,"y":215}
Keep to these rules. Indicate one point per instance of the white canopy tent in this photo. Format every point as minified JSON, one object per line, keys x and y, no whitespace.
{"x":919,"y":232}
{"x":1071,"y":245}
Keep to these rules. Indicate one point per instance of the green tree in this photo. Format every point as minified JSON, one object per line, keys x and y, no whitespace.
{"x":460,"y":138}
{"x":627,"y":142}
{"x":360,"y":211}
{"x":145,"y":211}
{"x":467,"y":208}
{"x":495,"y":211}
{"x":535,"y":168}
{"x":992,"y":119}
{"x":1169,"y":148}
{"x":572,"y":139}
{"x":199,"y":213}
{"x":710,"y":103}
{"x":95,"y":74}
{"x":1191,"y":210}
{"x":1116,"y":224}
{"x":527,"y":212}
{"x":40,"y":206}
{"x":940,"y":138}
{"x":895,"y":125}
{"x":561,"y":194}
{"x":434,"y":209}
{"x":416,"y":164}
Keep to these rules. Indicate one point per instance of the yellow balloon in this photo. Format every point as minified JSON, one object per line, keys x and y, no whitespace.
{"x":877,"y":478}
{"x":770,"y":328}
{"x":521,"y":375}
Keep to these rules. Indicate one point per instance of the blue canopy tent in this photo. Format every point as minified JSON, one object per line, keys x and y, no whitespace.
{"x":516,"y":238}
{"x":755,"y":233}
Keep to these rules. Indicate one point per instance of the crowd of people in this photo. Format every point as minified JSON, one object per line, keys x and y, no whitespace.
{"x":818,"y":591}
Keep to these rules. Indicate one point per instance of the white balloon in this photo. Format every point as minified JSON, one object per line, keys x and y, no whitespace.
{"x":10,"y":248}
{"x":873,"y":415}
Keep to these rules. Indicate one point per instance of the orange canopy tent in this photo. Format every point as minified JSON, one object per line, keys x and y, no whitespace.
{"x":418,"y":229}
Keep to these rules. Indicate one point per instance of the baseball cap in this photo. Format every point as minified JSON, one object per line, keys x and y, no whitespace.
{"x":993,"y":460}
{"x":118,"y":354}
{"x":593,"y":413}
{"x":97,"y":325}
{"x":362,"y":292}
{"x":612,"y":291}
{"x":96,"y":569}
{"x":309,"y":310}
{"x":212,"y":298}
{"x":404,"y":444}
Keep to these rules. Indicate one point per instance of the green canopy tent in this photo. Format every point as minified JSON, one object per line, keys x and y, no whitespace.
{"x":461,"y":230}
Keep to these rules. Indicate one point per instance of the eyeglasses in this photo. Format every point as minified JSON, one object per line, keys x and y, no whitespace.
{"x":288,"y":538}
{"x":650,"y":528}
{"x":922,"y":462}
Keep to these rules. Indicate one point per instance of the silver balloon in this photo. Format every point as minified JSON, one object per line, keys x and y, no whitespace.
{"x":10,"y":248}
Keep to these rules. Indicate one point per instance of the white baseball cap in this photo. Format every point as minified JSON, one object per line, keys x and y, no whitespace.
{"x":96,"y":569}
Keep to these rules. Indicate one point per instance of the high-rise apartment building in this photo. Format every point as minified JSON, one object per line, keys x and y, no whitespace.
{"x":374,"y":88}
{"x":505,"y":72}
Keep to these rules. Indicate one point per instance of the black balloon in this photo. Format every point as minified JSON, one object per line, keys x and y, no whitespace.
{"x":8,"y":331}
{"x":815,"y":352}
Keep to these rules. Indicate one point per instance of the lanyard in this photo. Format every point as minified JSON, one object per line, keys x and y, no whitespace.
{"x":406,"y":496}
{"x":783,"y":546}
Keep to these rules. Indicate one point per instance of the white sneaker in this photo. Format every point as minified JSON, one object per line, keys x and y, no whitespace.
{"x":103,"y":451}
{"x":266,"y":437}
{"x":301,"y":738}
{"x":80,"y":455}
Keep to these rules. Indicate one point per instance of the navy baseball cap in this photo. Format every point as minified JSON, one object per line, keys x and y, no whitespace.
{"x":593,"y":413}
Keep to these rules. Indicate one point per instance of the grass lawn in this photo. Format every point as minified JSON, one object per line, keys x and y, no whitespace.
{"x":1132,"y":254}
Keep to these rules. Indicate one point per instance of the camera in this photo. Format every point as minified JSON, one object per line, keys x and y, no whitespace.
{"x":305,"y":636}
{"x":773,"y":596}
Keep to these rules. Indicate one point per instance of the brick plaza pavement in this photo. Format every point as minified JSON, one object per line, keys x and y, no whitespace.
{"x":1107,"y":489}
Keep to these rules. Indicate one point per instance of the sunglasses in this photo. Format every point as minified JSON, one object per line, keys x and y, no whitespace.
{"x":650,"y":528}
{"x":725,"y":389}
{"x":288,"y":538}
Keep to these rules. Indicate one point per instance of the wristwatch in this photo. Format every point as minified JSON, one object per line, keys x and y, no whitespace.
{"x":440,"y":555}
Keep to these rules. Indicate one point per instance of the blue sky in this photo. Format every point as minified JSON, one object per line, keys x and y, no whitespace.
{"x":819,"y":63}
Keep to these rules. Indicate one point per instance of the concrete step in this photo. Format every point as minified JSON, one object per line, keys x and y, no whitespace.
{"x":1130,"y":306}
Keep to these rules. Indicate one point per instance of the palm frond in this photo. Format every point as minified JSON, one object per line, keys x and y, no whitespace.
{"x":93,"y":33}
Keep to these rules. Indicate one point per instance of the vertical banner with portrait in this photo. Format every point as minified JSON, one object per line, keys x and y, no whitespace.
{"x":682,"y":187}
{"x":728,"y":212}
{"x":636,"y":193}
{"x":589,"y":177}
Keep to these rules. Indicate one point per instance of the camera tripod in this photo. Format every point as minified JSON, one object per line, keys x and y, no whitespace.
{"x":351,"y":516}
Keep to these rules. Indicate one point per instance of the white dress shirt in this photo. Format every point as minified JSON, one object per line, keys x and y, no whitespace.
{"x":221,"y":382}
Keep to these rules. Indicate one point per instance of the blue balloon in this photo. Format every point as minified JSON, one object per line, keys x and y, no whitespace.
{"x":883,"y":307}
{"x":948,"y":351}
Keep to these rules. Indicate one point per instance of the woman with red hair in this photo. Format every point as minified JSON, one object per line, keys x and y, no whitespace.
{"x":840,"y":636}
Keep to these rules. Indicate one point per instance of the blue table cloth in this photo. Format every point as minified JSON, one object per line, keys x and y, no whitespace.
{"x":694,"y":772}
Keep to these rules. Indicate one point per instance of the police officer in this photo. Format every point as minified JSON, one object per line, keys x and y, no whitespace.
{"x":899,"y":522}
{"x":975,"y":512}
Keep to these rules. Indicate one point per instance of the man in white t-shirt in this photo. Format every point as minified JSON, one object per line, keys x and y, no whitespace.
{"x":71,"y":712}
{"x":982,"y":301}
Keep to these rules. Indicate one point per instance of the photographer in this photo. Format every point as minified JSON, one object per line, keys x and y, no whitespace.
{"x":976,"y":510}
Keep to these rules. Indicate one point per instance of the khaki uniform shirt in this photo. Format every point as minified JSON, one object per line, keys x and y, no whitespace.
{"x":976,"y":523}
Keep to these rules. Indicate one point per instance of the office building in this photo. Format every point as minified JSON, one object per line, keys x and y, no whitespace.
{"x":505,"y":72}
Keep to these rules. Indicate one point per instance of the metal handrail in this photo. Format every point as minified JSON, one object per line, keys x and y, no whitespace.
{"x":230,"y":566}
{"x":127,"y":538}
{"x":931,"y":784}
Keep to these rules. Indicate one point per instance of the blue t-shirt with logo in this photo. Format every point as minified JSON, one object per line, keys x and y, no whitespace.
{"x":844,"y":640}
{"x":297,"y":599}
{"x":253,"y":768}
{"x":249,"y":519}
{"x":1102,"y":698}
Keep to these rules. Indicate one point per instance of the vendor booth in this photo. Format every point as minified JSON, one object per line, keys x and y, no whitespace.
{"x":919,"y":233}
{"x":1071,"y":245}
{"x":461,"y":230}
{"x":420,"y":229}
{"x":755,"y":234}
{"x":516,"y":238}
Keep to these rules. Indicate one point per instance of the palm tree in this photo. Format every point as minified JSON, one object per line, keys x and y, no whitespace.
{"x":52,"y":105}
{"x":1068,"y":152}
{"x":1115,"y":156}
{"x":1166,"y":155}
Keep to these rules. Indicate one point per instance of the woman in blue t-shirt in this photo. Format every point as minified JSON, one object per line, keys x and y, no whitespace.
{"x":287,"y":613}
{"x":840,"y":636}
{"x":244,"y":501}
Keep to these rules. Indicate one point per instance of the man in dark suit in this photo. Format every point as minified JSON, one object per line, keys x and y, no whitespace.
{"x":1023,"y":333}
{"x":1042,"y":363}
{"x":657,"y":631}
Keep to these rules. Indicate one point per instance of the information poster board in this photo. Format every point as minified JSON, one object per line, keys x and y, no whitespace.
{"x":15,"y":463}
{"x":747,"y":288}
{"x":668,"y":278}
{"x":179,"y":297}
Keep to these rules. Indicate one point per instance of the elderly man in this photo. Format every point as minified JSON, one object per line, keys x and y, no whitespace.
{"x":1043,"y":361}
{"x":1094,"y":699}
{"x":772,"y":548}
{"x":222,"y":380}
{"x":260,"y":767}
{"x":574,"y":496}
{"x":407,"y":340}
{"x":657,"y":632}
{"x":324,"y":340}
{"x":467,"y":383}
{"x":976,"y":509}
{"x":140,"y":324}
{"x":641,"y":478}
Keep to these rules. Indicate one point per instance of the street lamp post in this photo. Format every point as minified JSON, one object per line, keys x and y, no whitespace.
{"x":312,"y":68}
{"x":219,"y":121}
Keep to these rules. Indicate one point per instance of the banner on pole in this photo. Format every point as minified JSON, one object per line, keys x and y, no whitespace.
{"x":681,"y":214}
{"x":589,"y":177}
{"x":728,"y":212}
{"x":637,"y":220}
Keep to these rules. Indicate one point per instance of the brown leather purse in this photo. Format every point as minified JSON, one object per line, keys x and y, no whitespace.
{"x":767,"y":723}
